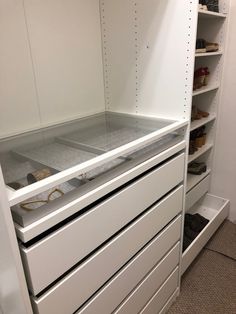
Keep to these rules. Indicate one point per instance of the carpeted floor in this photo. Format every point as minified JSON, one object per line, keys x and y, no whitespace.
{"x":209,"y":285}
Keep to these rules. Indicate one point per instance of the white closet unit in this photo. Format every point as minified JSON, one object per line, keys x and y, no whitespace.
{"x":211,"y":26}
{"x":96,"y":102}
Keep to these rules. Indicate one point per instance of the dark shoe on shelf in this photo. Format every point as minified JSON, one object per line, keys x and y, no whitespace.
{"x":212,"y":5}
{"x":203,"y":5}
{"x":200,"y":46}
{"x":197,"y":168}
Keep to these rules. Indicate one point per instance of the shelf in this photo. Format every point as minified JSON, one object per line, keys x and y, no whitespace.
{"x":215,"y":209}
{"x":198,"y":123}
{"x":210,"y":14}
{"x":209,"y":54}
{"x":193,"y":180}
{"x":200,"y":152}
{"x":206,"y":89}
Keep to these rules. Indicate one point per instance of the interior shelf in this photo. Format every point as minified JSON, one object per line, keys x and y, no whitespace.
{"x":210,"y":14}
{"x":198,"y":123}
{"x":200,"y":152}
{"x":215,"y":209}
{"x":206,"y":89}
{"x":193,"y":180}
{"x":209,"y":54}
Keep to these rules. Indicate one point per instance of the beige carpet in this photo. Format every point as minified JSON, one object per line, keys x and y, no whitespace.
{"x":209,"y":285}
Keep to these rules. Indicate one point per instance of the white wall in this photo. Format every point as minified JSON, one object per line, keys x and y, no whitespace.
{"x":50,"y":62}
{"x":224,"y":174}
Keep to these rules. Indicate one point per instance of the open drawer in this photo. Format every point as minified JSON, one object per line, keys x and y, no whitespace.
{"x":62,"y":249}
{"x":68,"y":294}
{"x":215,"y":209}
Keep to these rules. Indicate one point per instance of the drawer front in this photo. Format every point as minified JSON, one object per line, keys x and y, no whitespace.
{"x":147,"y":288}
{"x":116,"y":290}
{"x":159,"y":300}
{"x":67,"y":246}
{"x":78,"y":286}
{"x":197,"y":192}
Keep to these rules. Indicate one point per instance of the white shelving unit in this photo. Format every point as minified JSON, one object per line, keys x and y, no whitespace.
{"x":211,"y":27}
{"x":87,"y":69}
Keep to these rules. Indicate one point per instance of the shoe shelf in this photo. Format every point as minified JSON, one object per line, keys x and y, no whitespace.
{"x":210,"y":14}
{"x":216,"y":210}
{"x":200,"y":152}
{"x":193,"y":179}
{"x":206,"y":89}
{"x":208,"y":54}
{"x":203,"y":121}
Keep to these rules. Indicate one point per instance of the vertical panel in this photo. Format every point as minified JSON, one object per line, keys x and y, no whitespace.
{"x":153,"y":73}
{"x":65,"y":38}
{"x":118,"y":30}
{"x":18,"y":103}
{"x":14,"y":297}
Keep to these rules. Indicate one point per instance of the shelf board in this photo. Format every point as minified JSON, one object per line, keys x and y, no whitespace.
{"x":206,"y":89}
{"x":193,"y":179}
{"x":209,"y":54}
{"x":200,"y":152}
{"x":216,"y":210}
{"x":198,"y":123}
{"x":210,"y":14}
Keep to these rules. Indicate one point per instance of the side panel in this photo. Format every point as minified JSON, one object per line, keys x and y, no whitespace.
{"x":149,"y":56}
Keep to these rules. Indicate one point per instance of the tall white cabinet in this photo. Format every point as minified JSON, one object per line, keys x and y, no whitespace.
{"x":211,"y":26}
{"x":96,"y":102}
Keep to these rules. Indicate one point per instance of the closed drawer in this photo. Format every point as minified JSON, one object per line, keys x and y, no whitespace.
{"x":147,"y":288}
{"x":197,"y":192}
{"x":160,"y":298}
{"x":116,"y":290}
{"x":64,"y":248}
{"x":78,"y":286}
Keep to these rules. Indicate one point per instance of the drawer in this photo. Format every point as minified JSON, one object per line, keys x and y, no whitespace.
{"x":160,"y":298}
{"x":147,"y":288}
{"x":116,"y":290}
{"x":197,"y":192}
{"x":79,"y":285}
{"x":62,"y":249}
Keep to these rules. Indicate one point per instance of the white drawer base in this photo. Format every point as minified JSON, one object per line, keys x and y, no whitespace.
{"x":72,"y":291}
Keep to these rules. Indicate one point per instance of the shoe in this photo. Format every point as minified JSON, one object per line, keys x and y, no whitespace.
{"x":211,"y":47}
{"x":195,"y":114}
{"x":197,"y":168}
{"x":203,"y":114}
{"x":199,"y":78}
{"x":206,"y":78}
{"x":200,"y":46}
{"x":212,"y":5}
{"x":196,"y":223}
{"x":192,"y":147}
{"x":203,"y":5}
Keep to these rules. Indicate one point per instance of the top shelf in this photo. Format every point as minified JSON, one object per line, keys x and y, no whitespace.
{"x":210,"y":14}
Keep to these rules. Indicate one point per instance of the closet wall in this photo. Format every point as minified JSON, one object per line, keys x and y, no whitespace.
{"x":51,"y":60}
{"x":224,"y":174}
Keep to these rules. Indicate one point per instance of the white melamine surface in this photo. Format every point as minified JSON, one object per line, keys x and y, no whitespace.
{"x":141,"y":295}
{"x":14,"y":296}
{"x":74,"y":289}
{"x":102,"y":222}
{"x":19,"y":107}
{"x":162,"y":295}
{"x":216,"y":210}
{"x":145,"y":69}
{"x":65,"y":38}
{"x":116,"y":290}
